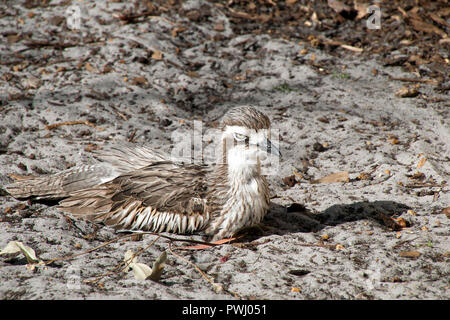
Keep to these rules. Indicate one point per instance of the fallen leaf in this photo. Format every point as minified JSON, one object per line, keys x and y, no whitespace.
{"x":176,"y":31}
{"x":323,"y":119}
{"x":296,"y":290}
{"x":361,"y":8}
{"x":158,"y":267}
{"x":193,"y":74}
{"x":363,"y":176}
{"x":402,"y":222}
{"x":339,"y":247}
{"x":290,"y":181}
{"x":128,"y":259}
{"x":219,"y":26}
{"x":335,"y":177}
{"x":446,"y":211}
{"x":409,"y":254}
{"x":407,"y":92}
{"x":14,"y":248}
{"x":417,"y":176}
{"x":90,"y":68}
{"x":421,"y":162}
{"x":157,"y":55}
{"x":389,"y":222}
{"x":218,"y":288}
{"x":141,"y":271}
{"x":338,"y":6}
{"x":139,"y":80}
{"x":393,"y":140}
{"x":423,"y":26}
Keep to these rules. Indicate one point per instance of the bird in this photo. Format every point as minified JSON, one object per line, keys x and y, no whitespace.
{"x":139,"y":189}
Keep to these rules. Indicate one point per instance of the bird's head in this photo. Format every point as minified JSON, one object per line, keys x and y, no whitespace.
{"x":246,"y":137}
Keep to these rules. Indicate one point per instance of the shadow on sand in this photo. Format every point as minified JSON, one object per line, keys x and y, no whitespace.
{"x":293,"y":219}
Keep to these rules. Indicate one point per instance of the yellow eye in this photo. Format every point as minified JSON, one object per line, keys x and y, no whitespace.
{"x":239,"y":137}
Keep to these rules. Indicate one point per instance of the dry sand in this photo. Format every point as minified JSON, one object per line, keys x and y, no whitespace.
{"x":345,"y":119}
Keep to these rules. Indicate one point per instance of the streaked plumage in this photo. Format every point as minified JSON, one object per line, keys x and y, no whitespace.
{"x":139,"y":189}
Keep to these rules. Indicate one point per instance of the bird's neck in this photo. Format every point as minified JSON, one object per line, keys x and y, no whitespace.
{"x":242,"y":165}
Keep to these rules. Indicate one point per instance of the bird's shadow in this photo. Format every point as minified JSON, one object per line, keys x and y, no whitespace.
{"x":281,"y":220}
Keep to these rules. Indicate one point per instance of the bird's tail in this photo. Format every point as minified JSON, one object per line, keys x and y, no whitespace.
{"x":61,"y":185}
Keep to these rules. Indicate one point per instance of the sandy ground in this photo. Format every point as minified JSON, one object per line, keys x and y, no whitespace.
{"x":141,"y":83}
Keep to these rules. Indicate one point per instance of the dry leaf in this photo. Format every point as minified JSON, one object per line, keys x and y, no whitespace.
{"x":128,"y":259}
{"x":393,"y":140}
{"x":158,"y":267}
{"x":14,"y":248}
{"x":338,"y":6}
{"x":176,"y":31}
{"x":290,"y":181}
{"x":193,"y":74}
{"x":157,"y":55}
{"x":446,"y":211}
{"x":363,"y":176}
{"x":296,"y":290}
{"x":421,"y":162}
{"x":335,"y":177}
{"x":423,"y":26}
{"x":219,"y":26}
{"x":402,"y":222}
{"x":361,"y":8}
{"x":389,"y":222}
{"x":31,"y":82}
{"x":141,"y":271}
{"x":139,"y":80}
{"x":409,"y":254}
{"x":406,"y":92}
{"x":218,"y":288}
{"x":90,"y":68}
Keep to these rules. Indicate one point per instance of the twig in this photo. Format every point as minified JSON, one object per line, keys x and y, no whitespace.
{"x":57,"y":45}
{"x":123,"y":264}
{"x":341,"y":44}
{"x":175,"y":239}
{"x":402,"y":243}
{"x":132,"y":17}
{"x":412,"y":79}
{"x":87,"y":251}
{"x":71,"y":123}
{"x":217,"y":286}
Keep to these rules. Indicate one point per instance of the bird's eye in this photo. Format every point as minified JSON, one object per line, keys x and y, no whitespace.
{"x":239,"y":137}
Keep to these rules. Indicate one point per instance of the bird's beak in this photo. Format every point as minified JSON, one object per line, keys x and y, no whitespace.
{"x":267,"y":146}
